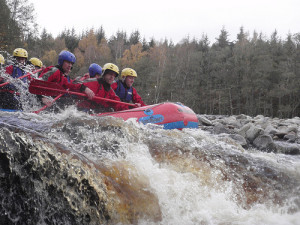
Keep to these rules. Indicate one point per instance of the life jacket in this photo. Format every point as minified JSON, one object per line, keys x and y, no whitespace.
{"x":124,"y":94}
{"x":17,"y":72}
{"x":48,"y":71}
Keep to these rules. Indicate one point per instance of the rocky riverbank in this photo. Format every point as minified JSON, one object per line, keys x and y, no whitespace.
{"x":260,"y":132}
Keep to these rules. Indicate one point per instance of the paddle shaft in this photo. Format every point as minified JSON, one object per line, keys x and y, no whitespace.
{"x":45,"y":106}
{"x":21,"y":77}
{"x":76,"y":93}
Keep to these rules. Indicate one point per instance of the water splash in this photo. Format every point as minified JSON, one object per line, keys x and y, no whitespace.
{"x":78,"y":169}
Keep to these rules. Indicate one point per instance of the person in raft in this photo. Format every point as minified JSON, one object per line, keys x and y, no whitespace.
{"x":102,"y":88}
{"x":36,"y":64}
{"x":2,"y":61}
{"x":124,"y":89}
{"x":9,"y":97}
{"x":95,"y":71}
{"x":60,"y":74}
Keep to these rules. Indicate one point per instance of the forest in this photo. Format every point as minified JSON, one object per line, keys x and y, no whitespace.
{"x":252,"y":75}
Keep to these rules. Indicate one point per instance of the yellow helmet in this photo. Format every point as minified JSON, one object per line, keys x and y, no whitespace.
{"x":128,"y":72}
{"x":110,"y":66}
{"x":2,"y":61}
{"x":36,"y":62}
{"x":20,"y":52}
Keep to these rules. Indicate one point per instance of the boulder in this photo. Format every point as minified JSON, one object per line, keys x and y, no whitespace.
{"x":204,"y":121}
{"x":271,"y":130}
{"x":265,"y":143}
{"x":253,"y":132}
{"x":287,"y":148}
{"x":239,"y":139}
{"x":221,"y":129}
{"x":290,"y":137}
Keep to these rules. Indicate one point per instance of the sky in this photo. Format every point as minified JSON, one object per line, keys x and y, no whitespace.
{"x":170,"y":19}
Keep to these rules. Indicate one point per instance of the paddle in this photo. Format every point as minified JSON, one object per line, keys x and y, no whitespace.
{"x":40,"y":87}
{"x":26,"y":75}
{"x":45,"y":106}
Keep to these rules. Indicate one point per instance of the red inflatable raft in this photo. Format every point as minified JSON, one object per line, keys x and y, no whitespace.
{"x":170,"y":115}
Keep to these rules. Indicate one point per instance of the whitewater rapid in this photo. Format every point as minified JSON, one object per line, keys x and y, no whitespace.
{"x":171,"y":176}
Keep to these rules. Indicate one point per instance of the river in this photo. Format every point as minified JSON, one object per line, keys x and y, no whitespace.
{"x":73,"y":168}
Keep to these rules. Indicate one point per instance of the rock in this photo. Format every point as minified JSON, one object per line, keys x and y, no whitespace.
{"x":242,"y":117}
{"x":287,"y":148}
{"x":43,"y":182}
{"x":261,"y":121}
{"x":290,"y":137}
{"x":221,"y":129}
{"x":264,"y":142}
{"x":271,"y":130}
{"x":253,"y":132}
{"x":295,"y":120}
{"x":239,"y":139}
{"x":292,"y":128}
{"x":204,"y":121}
{"x":282,"y":131}
{"x":232,"y":122}
{"x":260,"y":131}
{"x":242,"y":131}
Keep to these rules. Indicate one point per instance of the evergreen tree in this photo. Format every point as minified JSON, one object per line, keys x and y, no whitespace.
{"x":134,"y":38}
{"x":100,"y":34}
{"x":71,"y":39}
{"x":10,"y":32}
{"x":222,"y":40}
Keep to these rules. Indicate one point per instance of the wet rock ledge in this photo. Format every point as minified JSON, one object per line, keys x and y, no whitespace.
{"x":42,"y":182}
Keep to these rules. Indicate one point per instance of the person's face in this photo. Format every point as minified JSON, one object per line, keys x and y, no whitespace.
{"x":21,"y":60}
{"x":129,"y":81}
{"x":109,"y":77}
{"x":67,"y":66}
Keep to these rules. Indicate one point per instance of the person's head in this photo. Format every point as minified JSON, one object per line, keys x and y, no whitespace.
{"x":36,"y":62}
{"x":128,"y":76}
{"x":20,"y":55}
{"x":110,"y":72}
{"x":2,"y":60}
{"x":95,"y":70}
{"x":66,"y":60}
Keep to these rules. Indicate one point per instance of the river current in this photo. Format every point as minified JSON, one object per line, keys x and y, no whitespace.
{"x":162,"y":176}
{"x":74,"y":168}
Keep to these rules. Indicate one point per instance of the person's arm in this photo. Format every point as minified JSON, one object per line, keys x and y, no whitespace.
{"x":136,"y":98}
{"x":9,"y":69}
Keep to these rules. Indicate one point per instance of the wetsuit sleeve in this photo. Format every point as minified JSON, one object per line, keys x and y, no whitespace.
{"x":136,"y":98}
{"x":9,"y":69}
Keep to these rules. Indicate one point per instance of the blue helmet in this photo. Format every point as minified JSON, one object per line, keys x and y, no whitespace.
{"x":66,"y":56}
{"x":95,"y":69}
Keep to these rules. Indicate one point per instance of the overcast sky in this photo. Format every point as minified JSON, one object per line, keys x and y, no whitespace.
{"x":171,"y":19}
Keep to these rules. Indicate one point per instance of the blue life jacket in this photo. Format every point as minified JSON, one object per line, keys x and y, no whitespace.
{"x":17,"y":72}
{"x":124,"y":94}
